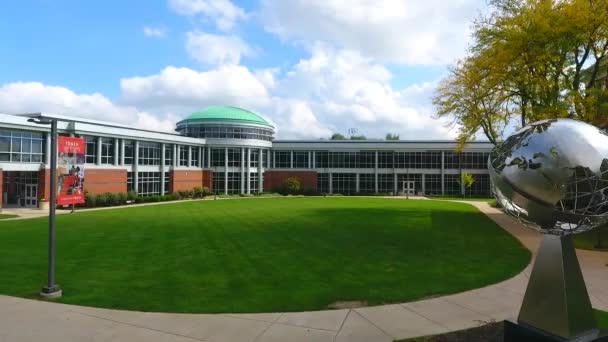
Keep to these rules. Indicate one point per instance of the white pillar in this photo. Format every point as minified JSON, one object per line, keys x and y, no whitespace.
{"x":189,"y":155}
{"x":274,"y":159}
{"x":200,"y":158}
{"x":226,"y":170}
{"x":291,"y":159}
{"x":309,"y":160}
{"x":47,"y":155}
{"x":208,"y":156}
{"x":423,"y":185}
{"x":162,"y":169}
{"x":248,"y":171}
{"x":116,"y":151}
{"x":376,"y":172}
{"x":268,"y":159}
{"x":135,"y":164}
{"x":395,"y":187}
{"x":260,"y":172}
{"x":331,"y":183}
{"x":122,"y":151}
{"x":314,"y":159}
{"x":98,"y":162}
{"x":442,"y":173}
{"x":357,"y":188}
{"x":176,"y":155}
{"x":242,"y":170}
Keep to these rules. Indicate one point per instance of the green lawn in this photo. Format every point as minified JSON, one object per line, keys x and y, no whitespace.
{"x":6,"y":216}
{"x":589,"y":239}
{"x":455,"y":198}
{"x":261,"y":255}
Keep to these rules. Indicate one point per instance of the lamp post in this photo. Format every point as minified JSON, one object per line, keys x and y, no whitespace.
{"x":51,"y":290}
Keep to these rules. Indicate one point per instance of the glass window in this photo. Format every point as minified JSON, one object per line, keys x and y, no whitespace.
{"x":265,"y":159}
{"x":321,"y":159}
{"x":226,"y":132}
{"x":234,"y":158}
{"x":130,"y":181}
{"x":194,"y":160}
{"x":385,"y":160}
{"x":91,"y":151}
{"x":323,"y":182}
{"x":432,"y":184}
{"x":344,"y":183}
{"x":282,"y":159}
{"x":168,"y":155}
{"x":234,"y":182}
{"x":218,"y":182}
{"x":149,"y":153}
{"x":300,"y":159}
{"x":254,"y":158}
{"x":452,"y":160}
{"x":129,"y":151}
{"x":107,"y":150}
{"x":148,"y":183}
{"x":367,"y":183}
{"x":254,"y":183}
{"x":218,"y":157}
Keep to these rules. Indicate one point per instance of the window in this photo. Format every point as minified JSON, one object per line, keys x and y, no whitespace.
{"x":452,"y":185}
{"x":367,"y":183}
{"x":322,"y":159}
{"x":323,"y":182}
{"x":481,"y":186}
{"x":254,"y":183}
{"x":254,"y":158}
{"x":452,"y":160}
{"x":234,"y":157}
{"x":385,"y":160}
{"x":21,"y":146}
{"x":130,"y":182}
{"x":367,"y":159}
{"x":386,"y":183}
{"x":148,"y":183}
{"x":234,"y":182}
{"x":149,"y":153}
{"x":217,"y":157}
{"x":300,"y":160}
{"x":107,"y":150}
{"x":432,"y":184}
{"x":265,"y":159}
{"x":226,"y":132}
{"x":474,"y":160}
{"x":183,"y":155}
{"x":282,"y":159}
{"x":218,"y":182}
{"x":168,"y":155}
{"x":91,"y":151}
{"x":343,"y":160}
{"x":194,"y":159}
{"x":167,"y":184}
{"x":418,"y":160}
{"x":344,"y":183}
{"x":129,"y":152}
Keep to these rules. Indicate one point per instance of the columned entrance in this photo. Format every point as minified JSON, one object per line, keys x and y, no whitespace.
{"x":409,"y":187}
{"x":20,"y":189}
{"x":30,"y":197}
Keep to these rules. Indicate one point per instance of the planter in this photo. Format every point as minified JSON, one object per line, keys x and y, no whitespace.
{"x":43,"y":205}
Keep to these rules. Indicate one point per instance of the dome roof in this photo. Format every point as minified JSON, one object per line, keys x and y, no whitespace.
{"x":226,"y":114}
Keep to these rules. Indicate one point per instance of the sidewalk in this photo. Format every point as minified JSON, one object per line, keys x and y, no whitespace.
{"x":30,"y":320}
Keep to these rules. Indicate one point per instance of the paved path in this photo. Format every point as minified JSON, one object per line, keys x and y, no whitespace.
{"x":29,"y":320}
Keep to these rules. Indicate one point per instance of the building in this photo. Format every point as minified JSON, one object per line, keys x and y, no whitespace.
{"x":231,"y":150}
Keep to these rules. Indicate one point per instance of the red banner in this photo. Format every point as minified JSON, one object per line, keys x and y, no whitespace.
{"x":70,"y":170}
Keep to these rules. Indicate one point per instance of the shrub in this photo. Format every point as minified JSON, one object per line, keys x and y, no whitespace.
{"x":183,"y":194}
{"x":206,"y":192}
{"x":90,"y":200}
{"x":292,"y":185}
{"x":154,"y":198}
{"x":131,"y":196}
{"x":102,"y":200}
{"x":140,"y":199}
{"x":121,"y":198}
{"x":177,"y":195}
{"x":190,"y":193}
{"x":197,"y":192}
{"x":111,"y":199}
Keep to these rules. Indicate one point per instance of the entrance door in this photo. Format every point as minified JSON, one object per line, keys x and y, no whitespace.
{"x":31,"y":196}
{"x":409,"y":188}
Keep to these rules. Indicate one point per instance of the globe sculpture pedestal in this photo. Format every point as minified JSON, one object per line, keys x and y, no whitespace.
{"x":556,"y":306}
{"x":552,"y":176}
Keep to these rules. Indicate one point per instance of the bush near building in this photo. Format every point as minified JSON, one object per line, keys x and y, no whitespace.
{"x":110,"y":199}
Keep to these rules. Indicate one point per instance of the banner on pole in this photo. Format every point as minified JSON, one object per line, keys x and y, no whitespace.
{"x":70,"y":170}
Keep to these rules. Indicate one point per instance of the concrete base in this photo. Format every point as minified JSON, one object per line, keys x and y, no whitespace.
{"x":515,"y":332}
{"x":51,"y":293}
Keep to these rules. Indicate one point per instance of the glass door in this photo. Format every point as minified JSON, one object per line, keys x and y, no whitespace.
{"x":31,"y":196}
{"x":409,"y":188}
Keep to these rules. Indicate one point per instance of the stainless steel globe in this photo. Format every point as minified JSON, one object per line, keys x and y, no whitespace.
{"x":552,"y":175}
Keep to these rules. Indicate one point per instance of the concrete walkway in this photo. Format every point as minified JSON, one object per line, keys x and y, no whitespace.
{"x":30,"y":320}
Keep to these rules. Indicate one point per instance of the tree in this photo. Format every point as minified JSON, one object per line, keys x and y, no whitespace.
{"x":292,"y":185}
{"x":391,"y":136}
{"x":358,"y":137}
{"x":467,"y":180}
{"x":337,"y":136}
{"x":529,"y":61}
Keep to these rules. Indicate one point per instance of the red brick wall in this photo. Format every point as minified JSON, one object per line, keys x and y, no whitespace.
{"x":44,"y":183}
{"x":208,"y":179}
{"x":275,"y":179}
{"x":97,"y":181}
{"x":185,"y":179}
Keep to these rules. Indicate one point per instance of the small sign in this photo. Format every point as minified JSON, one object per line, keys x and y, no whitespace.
{"x":70,"y":170}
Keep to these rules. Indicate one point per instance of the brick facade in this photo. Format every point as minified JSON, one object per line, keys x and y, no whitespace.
{"x":44,"y":183}
{"x":275,"y":179}
{"x":208,"y":179}
{"x":97,"y":181}
{"x":185,"y":179}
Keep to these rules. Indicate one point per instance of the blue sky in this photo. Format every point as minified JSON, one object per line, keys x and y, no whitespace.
{"x":306,"y":63}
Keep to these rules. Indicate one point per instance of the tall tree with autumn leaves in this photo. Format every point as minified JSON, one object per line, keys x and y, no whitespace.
{"x":530,"y":60}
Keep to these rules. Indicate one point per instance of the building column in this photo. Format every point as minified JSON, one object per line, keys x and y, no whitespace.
{"x":395,"y":186}
{"x":442,"y":172}
{"x":122,"y":151}
{"x":314,"y":159}
{"x":201,"y":156}
{"x":376,"y":172}
{"x":309,"y":160}
{"x":248,"y":171}
{"x":331,"y":183}
{"x":189,"y":155}
{"x":135,"y":164}
{"x":47,"y":155}
{"x":208,"y":157}
{"x":269,"y":158}
{"x":291,"y":159}
{"x":260,"y":172}
{"x":162,"y":169}
{"x":423,"y":185}
{"x":116,"y":152}
{"x":98,"y":161}
{"x":242,"y":170}
{"x":274,"y":159}
{"x":357,"y":187}
{"x":226,"y":170}
{"x":175,"y":155}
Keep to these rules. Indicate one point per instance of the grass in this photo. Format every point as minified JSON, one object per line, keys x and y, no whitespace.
{"x":600,"y":316}
{"x":456,"y":198}
{"x":588,"y":240}
{"x":7,"y":216}
{"x":265,"y":255}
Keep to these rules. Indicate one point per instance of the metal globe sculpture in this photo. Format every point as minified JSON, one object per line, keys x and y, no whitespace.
{"x":552,"y":175}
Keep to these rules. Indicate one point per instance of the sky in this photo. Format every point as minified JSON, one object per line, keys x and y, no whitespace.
{"x":311,"y":67}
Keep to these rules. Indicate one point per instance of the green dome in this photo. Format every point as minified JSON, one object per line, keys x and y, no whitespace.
{"x":226,"y":114}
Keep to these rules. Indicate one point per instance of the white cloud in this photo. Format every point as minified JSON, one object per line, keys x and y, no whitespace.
{"x":155,"y":32}
{"x":214,"y":49}
{"x":223,"y":12}
{"x":396,"y":31}
{"x":295,"y":120}
{"x":28,"y":97}
{"x":181,"y":90}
